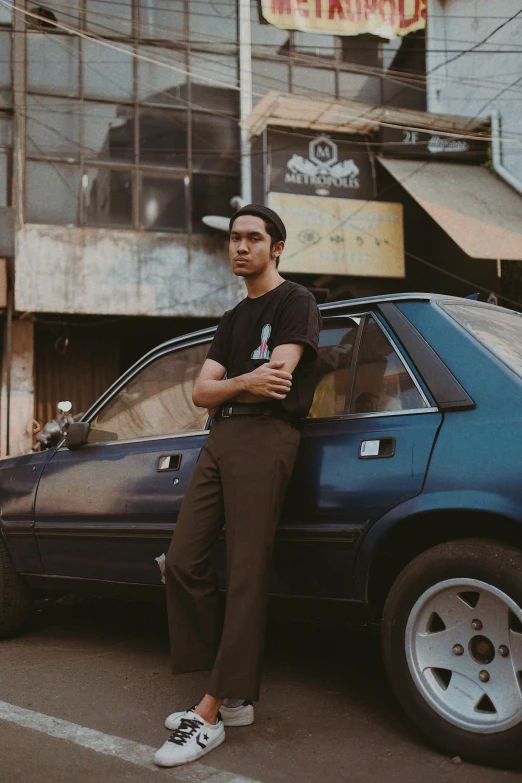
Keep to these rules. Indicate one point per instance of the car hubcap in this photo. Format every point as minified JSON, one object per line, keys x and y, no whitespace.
{"x":464,"y":652}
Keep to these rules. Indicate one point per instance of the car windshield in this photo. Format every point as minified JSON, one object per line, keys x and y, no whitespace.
{"x":498,"y":330}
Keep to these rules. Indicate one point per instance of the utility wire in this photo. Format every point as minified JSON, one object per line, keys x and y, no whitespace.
{"x":347,"y":117}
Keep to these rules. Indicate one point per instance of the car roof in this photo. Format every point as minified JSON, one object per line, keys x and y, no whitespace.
{"x":331,"y":306}
{"x":198,"y":336}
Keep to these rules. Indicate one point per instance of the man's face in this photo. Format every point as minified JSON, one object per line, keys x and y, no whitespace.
{"x":250,"y":246}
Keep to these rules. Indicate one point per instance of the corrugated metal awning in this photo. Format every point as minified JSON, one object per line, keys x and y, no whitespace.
{"x":328,"y":115}
{"x":478,"y":210}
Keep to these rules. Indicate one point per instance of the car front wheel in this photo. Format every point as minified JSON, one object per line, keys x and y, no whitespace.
{"x":15,"y":597}
{"x":452,"y":648}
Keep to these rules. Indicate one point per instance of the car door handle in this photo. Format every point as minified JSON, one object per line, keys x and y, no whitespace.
{"x":169,"y":462}
{"x":380,"y":447}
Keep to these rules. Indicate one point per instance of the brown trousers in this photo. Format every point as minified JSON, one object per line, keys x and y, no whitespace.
{"x":240,"y":479}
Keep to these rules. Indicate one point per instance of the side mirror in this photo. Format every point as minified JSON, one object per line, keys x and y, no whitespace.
{"x":77,"y":434}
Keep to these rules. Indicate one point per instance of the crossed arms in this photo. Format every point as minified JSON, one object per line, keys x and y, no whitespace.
{"x":272,"y":380}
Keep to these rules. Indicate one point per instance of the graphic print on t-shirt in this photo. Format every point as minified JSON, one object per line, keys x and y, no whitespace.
{"x":262,"y":352}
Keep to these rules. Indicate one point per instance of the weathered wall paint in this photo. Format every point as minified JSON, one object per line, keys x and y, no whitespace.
{"x":22,"y":391}
{"x":105,"y":271}
{"x":475,"y":82}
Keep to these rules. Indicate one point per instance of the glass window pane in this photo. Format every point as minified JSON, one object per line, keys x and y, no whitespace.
{"x":107,"y":195}
{"x":4,"y":179}
{"x":107,"y":73}
{"x":314,"y":44}
{"x":5,"y":59}
{"x":162,"y":19}
{"x":156,"y":401}
{"x":215,"y":143}
{"x":160,"y":84}
{"x":53,"y":193}
{"x":163,"y":204}
{"x":6,"y":15}
{"x":333,"y":362}
{"x":269,"y":76}
{"x":163,"y":137}
{"x":499,"y":330}
{"x":359,"y":87}
{"x":52,"y":63}
{"x":313,"y":81}
{"x":108,"y":131}
{"x":65,"y":12}
{"x":382,"y":383}
{"x":214,"y":71}
{"x":110,"y":17}
{"x":53,"y":127}
{"x":214,"y":23}
{"x":6,"y":131}
{"x":211,"y":195}
{"x":266,"y":39}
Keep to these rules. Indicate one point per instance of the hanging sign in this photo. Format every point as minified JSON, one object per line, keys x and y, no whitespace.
{"x":385,"y":18}
{"x":430,"y":144}
{"x":340,"y":236}
{"x":319,"y":166}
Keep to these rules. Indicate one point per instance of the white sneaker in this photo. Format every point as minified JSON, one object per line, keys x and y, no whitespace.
{"x":191,"y":739}
{"x":232,"y":716}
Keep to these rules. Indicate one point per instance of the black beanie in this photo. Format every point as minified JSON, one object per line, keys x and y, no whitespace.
{"x":259,"y":210}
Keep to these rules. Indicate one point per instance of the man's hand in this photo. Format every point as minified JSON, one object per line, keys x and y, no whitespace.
{"x":269,"y":380}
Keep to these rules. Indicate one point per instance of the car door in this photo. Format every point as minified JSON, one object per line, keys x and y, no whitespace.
{"x":108,"y":509}
{"x":364,"y":449}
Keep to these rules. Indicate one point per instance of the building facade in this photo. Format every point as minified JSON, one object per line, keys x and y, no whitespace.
{"x":120,"y":131}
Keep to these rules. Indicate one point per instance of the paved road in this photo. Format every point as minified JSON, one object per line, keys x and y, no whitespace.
{"x":326,"y":713}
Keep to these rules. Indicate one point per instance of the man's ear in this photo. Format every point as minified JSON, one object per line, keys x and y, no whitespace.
{"x":277,"y":249}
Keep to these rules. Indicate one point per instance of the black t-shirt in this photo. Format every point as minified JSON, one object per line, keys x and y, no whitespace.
{"x":247,"y":335}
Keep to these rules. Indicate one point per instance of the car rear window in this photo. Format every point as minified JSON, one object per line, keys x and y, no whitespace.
{"x":498,"y":330}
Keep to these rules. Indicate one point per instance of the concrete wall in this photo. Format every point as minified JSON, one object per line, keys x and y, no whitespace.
{"x":22,"y":391}
{"x":87,"y":270}
{"x":477,"y":82}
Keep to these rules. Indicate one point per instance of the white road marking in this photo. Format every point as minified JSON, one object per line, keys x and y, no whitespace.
{"x":117,"y":747}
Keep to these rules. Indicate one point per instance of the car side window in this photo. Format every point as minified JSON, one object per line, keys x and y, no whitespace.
{"x":156,"y":401}
{"x":382,"y":382}
{"x":336,"y":344}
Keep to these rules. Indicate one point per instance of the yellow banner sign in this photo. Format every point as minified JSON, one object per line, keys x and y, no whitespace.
{"x":386,"y":18}
{"x":339,"y":236}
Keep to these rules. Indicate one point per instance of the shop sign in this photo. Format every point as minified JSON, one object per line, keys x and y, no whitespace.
{"x":341,"y":236}
{"x":385,"y":18}
{"x":429,"y":144}
{"x":321,"y":167}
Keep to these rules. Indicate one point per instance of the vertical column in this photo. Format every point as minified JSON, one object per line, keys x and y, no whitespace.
{"x":17,"y":370}
{"x":21,"y":408}
{"x":245,"y":87}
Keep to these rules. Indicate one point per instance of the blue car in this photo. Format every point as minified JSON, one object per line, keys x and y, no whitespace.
{"x":404,"y":510}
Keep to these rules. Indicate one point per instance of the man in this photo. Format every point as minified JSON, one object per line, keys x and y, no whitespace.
{"x":267,"y":347}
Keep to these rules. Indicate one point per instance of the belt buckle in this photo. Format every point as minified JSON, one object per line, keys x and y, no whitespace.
{"x":226,"y":412}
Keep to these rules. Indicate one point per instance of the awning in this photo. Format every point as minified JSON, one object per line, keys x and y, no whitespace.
{"x":329,"y":115}
{"x":478,"y":210}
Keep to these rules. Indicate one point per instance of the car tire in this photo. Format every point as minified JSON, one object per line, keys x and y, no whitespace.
{"x":15,"y":597}
{"x":452,"y":647}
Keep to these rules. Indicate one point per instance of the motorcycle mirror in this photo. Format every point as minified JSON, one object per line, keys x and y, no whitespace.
{"x":64,"y":406}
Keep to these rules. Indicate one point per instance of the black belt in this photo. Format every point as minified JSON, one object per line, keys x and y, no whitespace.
{"x":259,"y":409}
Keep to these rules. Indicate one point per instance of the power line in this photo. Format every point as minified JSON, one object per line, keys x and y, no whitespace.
{"x":477,"y":45}
{"x":169,"y":66}
{"x":407,"y":253}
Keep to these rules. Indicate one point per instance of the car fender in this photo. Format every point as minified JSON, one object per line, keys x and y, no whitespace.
{"x":468,"y":501}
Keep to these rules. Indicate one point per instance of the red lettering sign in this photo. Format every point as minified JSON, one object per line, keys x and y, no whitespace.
{"x":281,"y":6}
{"x":335,"y":8}
{"x":302,"y":11}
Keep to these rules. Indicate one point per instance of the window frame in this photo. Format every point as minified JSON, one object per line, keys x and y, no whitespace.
{"x":364,"y":316}
{"x":113,"y":390}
